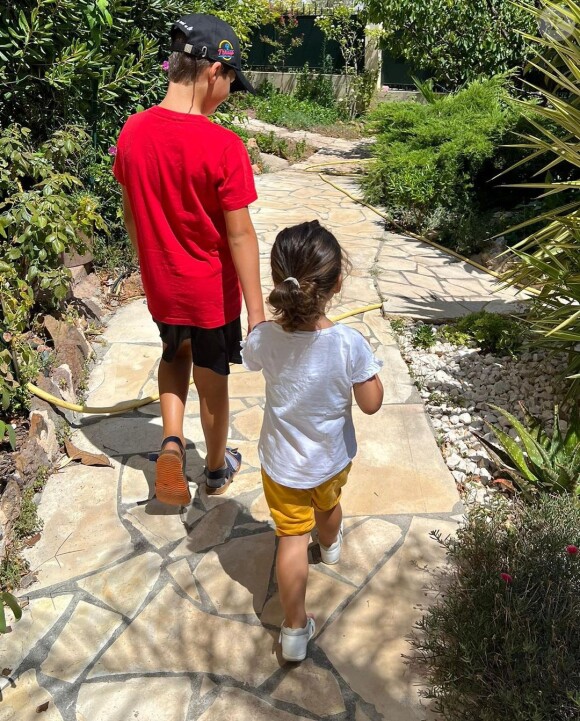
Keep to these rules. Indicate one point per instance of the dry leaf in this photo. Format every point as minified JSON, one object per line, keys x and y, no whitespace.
{"x":42,"y":707}
{"x":6,"y":671}
{"x":86,"y":458}
{"x":32,"y":541}
{"x":504,"y":483}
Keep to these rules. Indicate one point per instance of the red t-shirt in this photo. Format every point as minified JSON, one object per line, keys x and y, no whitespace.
{"x":181,"y":172}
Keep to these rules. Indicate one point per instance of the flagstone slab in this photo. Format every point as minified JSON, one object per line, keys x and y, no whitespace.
{"x":380,"y":327}
{"x":236,"y":574}
{"x":366,"y":641}
{"x":397,"y":382}
{"x":161,"y":524}
{"x":125,"y":586}
{"x":215,"y":526}
{"x":244,"y":384}
{"x":126,"y":367}
{"x":364,"y":548}
{"x":137,"y":479}
{"x":324,"y":594}
{"x":248,"y":423}
{"x":84,"y":532}
{"x":38,"y":617}
{"x":172,"y":635}
{"x":87,"y":631}
{"x":19,"y":703}
{"x":132,"y":323}
{"x":312,"y":687}
{"x":399,"y":468}
{"x":233,"y":704}
{"x":147,"y":699}
{"x":183,"y":576}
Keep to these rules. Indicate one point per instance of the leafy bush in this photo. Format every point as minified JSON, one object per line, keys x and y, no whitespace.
{"x":432,"y":157}
{"x":540,"y":462}
{"x":501,"y":643}
{"x":315,"y":87}
{"x":94,"y":63}
{"x":424,"y":337}
{"x":549,"y":258}
{"x":493,"y":332}
{"x":111,"y":249}
{"x":454,"y":41}
{"x":292,"y":113}
{"x":452,"y":334}
{"x":44,"y":212}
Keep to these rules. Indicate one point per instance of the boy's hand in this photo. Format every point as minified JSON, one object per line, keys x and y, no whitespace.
{"x":254,"y":321}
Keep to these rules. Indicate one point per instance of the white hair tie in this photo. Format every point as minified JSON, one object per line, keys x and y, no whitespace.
{"x":292,"y":280}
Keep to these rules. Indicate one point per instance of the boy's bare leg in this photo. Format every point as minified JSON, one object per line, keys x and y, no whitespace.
{"x":173,"y":379}
{"x":328,"y":524}
{"x":214,"y":409}
{"x":292,"y":574}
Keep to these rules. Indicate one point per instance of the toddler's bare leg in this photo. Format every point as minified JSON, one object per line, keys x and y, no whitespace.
{"x":328,"y":524}
{"x":214,"y":409}
{"x":292,"y":574}
{"x":173,"y":380}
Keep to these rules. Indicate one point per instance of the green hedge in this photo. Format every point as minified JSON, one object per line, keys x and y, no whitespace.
{"x":434,"y":161}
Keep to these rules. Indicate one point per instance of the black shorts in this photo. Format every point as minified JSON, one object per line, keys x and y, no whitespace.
{"x":213,"y":348}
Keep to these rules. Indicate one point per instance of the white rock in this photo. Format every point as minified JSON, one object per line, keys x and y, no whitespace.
{"x":454,"y":420}
{"x":453,"y":460}
{"x":465,"y":418}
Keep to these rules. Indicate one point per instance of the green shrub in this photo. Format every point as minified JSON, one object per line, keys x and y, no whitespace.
{"x":28,"y":521}
{"x":436,"y":161}
{"x":549,"y":257}
{"x":506,"y":648}
{"x":44,"y":212}
{"x":493,"y":332}
{"x":289,"y":112}
{"x":424,"y":337}
{"x":432,"y":156}
{"x":452,"y":334}
{"x":540,"y":461}
{"x":315,"y":87}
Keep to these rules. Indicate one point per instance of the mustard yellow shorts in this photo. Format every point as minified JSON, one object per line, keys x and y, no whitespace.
{"x":293,"y":508}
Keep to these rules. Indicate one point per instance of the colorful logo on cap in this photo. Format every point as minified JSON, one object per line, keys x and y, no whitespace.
{"x":225,"y":50}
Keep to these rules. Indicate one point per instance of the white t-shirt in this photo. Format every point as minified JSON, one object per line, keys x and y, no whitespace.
{"x":307,"y":435}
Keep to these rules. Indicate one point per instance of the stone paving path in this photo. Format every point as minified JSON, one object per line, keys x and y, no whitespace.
{"x":143,"y":612}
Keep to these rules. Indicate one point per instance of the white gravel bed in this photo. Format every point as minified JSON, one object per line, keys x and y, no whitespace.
{"x":458,"y":384}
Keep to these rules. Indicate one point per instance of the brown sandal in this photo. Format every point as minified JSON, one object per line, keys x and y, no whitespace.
{"x":171,"y":486}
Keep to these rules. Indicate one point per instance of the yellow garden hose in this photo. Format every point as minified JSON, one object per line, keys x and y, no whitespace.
{"x":138,"y":403}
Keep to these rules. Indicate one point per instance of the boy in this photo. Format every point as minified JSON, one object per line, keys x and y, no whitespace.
{"x":187,"y":184}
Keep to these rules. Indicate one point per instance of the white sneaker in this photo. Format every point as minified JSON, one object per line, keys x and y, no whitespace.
{"x":331,"y":555}
{"x":295,"y":641}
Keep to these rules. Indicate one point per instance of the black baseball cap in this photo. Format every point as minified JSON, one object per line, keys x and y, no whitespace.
{"x":211,"y":38}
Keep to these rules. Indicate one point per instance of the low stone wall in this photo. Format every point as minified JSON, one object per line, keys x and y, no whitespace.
{"x":286,"y":82}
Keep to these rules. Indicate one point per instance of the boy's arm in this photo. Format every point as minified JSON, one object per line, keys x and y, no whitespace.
{"x":369,"y":395}
{"x":129,"y":220}
{"x":244,"y":248}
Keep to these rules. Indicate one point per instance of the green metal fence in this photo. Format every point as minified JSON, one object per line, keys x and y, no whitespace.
{"x":315,"y":49}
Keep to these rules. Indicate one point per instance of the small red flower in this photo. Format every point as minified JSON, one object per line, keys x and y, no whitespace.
{"x":112,"y":150}
{"x":506,"y":577}
{"x":572,"y":550}
{"x":165,"y":65}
